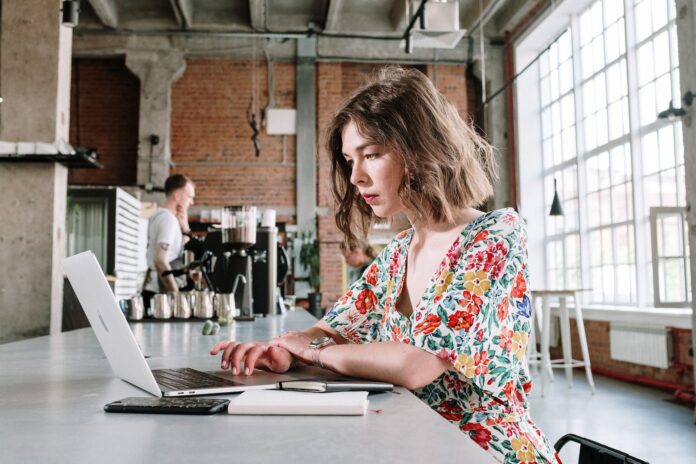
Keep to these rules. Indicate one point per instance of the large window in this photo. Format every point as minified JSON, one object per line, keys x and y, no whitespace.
{"x":602,"y":83}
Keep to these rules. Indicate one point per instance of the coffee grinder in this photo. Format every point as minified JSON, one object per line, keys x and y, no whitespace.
{"x":238,"y":235}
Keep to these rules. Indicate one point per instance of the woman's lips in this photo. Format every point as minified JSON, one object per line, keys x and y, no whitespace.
{"x":369,"y":199}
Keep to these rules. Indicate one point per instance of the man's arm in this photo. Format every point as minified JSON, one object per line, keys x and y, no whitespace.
{"x":161,"y":265}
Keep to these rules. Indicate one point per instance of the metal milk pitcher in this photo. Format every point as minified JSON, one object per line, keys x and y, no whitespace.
{"x":203,"y":304}
{"x":182,"y":304}
{"x":161,"y":306}
{"x":224,"y":304}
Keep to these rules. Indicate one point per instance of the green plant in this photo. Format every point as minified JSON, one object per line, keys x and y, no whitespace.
{"x":309,"y":259}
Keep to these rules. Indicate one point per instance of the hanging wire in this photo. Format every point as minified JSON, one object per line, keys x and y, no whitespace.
{"x":254,"y":104}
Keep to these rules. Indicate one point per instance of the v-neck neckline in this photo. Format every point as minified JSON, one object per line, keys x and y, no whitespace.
{"x":398,"y":289}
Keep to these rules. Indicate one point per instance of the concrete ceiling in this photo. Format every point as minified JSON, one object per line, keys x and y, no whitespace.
{"x":369,"y":29}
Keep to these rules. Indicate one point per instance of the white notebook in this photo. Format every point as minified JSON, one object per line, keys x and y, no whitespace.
{"x":290,"y":403}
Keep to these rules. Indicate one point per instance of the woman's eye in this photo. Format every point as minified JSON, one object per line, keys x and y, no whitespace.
{"x":371,"y":155}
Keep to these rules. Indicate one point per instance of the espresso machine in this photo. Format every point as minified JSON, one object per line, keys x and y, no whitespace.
{"x":269,"y":264}
{"x":238,"y":235}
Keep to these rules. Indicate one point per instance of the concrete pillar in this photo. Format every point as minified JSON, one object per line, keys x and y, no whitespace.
{"x":306,"y":134}
{"x":686,"y":36}
{"x":157,"y":70}
{"x":35,"y":77}
{"x":495,"y":114}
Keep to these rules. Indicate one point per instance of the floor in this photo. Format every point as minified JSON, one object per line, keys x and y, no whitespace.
{"x":641,"y":421}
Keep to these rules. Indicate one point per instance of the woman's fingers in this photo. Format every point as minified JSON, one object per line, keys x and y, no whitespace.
{"x":219,"y":346}
{"x":251,"y":356}
{"x":237,"y":355}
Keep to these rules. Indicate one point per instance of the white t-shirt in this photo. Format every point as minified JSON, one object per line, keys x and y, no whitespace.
{"x":163,"y":228}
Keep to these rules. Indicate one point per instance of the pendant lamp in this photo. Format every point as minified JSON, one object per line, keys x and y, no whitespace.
{"x":556,"y":208}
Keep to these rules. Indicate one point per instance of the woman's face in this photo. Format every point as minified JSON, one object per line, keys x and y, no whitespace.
{"x":376,"y":172}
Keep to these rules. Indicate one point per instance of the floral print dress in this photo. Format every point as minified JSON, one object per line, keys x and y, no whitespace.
{"x":475,"y":314}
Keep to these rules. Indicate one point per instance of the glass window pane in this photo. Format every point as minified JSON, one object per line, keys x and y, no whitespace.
{"x":566,"y":76}
{"x":588,"y":99}
{"x":597,"y":24}
{"x":586,"y":62}
{"x":593,"y":209}
{"x":597,"y":284}
{"x":650,"y":153}
{"x":646,"y":68}
{"x":600,"y":88}
{"x":616,"y":123}
{"x":545,"y":92}
{"x":569,"y":143}
{"x":598,"y":53}
{"x":672,"y":280}
{"x":668,"y":186}
{"x":585,"y":27}
{"x":614,"y":85}
{"x":602,"y":129}
{"x":648,"y":108}
{"x":661,"y":46}
{"x":603,"y":170}
{"x":553,"y":81}
{"x":556,"y":117}
{"x":611,"y":37}
{"x":663,"y":89}
{"x":618,"y":165}
{"x":564,"y":47}
{"x":557,"y":149}
{"x":590,"y":133}
{"x":605,"y":206}
{"x":595,"y":248}
{"x":659,"y":14}
{"x":666,"y":144}
{"x":592,"y":174}
{"x":618,"y":203}
{"x":608,"y":279}
{"x":621,"y":241}
{"x":567,"y":111}
{"x":544,"y":64}
{"x":611,"y":12}
{"x":651,"y":191}
{"x":669,"y":235}
{"x":546,"y":129}
{"x":681,"y":196}
{"x":642,"y":20}
{"x":623,"y":283}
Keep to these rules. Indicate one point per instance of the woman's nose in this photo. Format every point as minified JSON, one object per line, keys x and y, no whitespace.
{"x":357,"y":174}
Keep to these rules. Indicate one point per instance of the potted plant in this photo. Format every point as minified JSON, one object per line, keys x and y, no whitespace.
{"x":309,"y":259}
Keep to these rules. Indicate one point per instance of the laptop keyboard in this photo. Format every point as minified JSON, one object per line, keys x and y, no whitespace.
{"x":189,"y":379}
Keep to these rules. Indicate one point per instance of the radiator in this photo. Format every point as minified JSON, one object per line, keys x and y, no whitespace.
{"x":649,"y":346}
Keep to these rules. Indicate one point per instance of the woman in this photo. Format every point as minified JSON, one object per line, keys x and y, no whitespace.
{"x":444,"y":309}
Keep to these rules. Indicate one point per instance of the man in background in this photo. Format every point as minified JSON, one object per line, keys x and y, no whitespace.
{"x":358,"y":260}
{"x":168,"y":231}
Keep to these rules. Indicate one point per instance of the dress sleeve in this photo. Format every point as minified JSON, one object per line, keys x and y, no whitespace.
{"x":357,"y":315}
{"x":478,"y":316}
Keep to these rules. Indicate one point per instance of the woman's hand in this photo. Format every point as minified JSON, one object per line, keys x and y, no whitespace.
{"x":264,"y":355}
{"x":297,"y":343}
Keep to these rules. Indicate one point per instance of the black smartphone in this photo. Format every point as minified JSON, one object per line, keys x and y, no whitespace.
{"x":178,"y":405}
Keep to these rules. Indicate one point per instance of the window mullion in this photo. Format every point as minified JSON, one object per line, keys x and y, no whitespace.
{"x":641,"y":240}
{"x":584,"y":244}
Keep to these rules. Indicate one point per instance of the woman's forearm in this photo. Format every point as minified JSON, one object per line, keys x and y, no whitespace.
{"x":392,"y":362}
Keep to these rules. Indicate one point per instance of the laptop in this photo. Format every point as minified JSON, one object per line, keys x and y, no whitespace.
{"x":124,"y":355}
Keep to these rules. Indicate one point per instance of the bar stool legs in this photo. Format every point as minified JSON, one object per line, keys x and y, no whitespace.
{"x":567,"y":362}
{"x":583,"y":341}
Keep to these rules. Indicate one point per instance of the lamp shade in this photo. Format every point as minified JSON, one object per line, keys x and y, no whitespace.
{"x":556,"y":208}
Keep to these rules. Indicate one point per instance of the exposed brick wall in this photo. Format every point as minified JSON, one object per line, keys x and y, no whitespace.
{"x":104,"y":111}
{"x":597,"y":333}
{"x":211,"y":138}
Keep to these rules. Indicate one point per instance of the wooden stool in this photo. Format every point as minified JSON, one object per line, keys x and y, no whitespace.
{"x":567,"y":362}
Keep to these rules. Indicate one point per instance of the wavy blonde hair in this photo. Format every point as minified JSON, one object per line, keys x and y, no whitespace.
{"x":447,"y":165}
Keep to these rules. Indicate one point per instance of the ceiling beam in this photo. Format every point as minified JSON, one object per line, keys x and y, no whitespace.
{"x":332,"y":22}
{"x":257,"y":14}
{"x":106,"y":12}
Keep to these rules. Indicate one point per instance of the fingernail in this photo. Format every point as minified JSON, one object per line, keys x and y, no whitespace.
{"x":224,"y":364}
{"x":247,"y":371}
{"x":234,"y":371}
